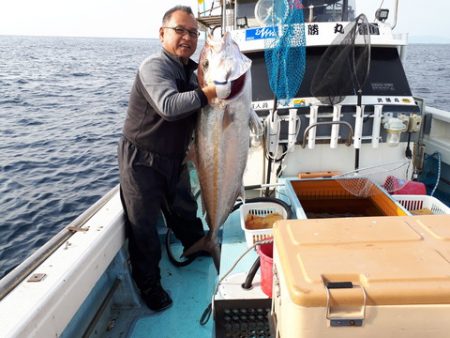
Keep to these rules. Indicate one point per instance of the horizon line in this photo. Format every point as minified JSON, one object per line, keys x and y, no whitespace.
{"x":418,"y":39}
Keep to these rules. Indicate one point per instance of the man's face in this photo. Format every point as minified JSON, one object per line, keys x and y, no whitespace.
{"x":181,"y":38}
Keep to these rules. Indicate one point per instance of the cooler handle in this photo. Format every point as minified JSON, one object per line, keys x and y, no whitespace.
{"x":347,"y":317}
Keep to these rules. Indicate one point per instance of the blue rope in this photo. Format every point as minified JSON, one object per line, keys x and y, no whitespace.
{"x":438,"y":176}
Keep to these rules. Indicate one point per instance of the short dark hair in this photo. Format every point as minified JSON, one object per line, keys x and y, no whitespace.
{"x":169,"y":13}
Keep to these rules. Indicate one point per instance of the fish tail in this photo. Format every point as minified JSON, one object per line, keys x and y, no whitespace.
{"x":206,"y":244}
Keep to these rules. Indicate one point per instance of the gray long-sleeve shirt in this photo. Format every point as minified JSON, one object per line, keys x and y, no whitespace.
{"x":163,"y":105}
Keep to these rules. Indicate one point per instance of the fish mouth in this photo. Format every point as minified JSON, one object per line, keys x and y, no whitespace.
{"x":236,"y":86}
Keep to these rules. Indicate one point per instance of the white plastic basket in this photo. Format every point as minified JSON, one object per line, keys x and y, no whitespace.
{"x":259,"y":209}
{"x":416,"y":202}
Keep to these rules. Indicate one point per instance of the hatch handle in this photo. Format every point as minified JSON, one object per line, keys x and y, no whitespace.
{"x":345,"y":315}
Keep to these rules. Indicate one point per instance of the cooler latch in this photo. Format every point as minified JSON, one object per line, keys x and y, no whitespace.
{"x":346,"y":303}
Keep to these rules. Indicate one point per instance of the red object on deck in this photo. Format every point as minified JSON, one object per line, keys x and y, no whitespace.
{"x":404,"y":187}
{"x":265,"y":252}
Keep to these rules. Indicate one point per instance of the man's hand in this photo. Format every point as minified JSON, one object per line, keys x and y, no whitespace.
{"x":210,"y":92}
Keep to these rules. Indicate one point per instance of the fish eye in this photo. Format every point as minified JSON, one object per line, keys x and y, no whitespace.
{"x":205,"y":64}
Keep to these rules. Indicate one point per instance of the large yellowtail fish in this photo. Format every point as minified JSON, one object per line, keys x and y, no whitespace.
{"x":222,"y":135}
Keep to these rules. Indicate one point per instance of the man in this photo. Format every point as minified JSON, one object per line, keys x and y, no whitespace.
{"x":162,"y":111}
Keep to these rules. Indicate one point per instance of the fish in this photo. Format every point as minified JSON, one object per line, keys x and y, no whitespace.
{"x":222,"y":136}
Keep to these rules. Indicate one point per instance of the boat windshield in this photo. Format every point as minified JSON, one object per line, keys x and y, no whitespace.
{"x":252,"y":13}
{"x":329,"y":11}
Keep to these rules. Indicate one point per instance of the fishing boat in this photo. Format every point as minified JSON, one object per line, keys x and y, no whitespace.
{"x":346,"y":160}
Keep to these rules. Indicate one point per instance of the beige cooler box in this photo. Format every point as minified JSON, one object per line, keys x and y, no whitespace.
{"x":362,"y":277}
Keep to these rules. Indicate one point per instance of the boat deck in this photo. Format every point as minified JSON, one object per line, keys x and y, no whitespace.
{"x":191,"y":288}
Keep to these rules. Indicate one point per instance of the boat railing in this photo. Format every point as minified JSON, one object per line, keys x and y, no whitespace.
{"x":210,"y":15}
{"x":209,"y":12}
{"x":16,"y":276}
{"x":348,"y":142}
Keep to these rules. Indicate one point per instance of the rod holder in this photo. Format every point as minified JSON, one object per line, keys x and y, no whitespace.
{"x":344,"y":123}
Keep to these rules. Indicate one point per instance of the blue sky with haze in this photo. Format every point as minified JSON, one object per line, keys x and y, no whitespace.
{"x":425,"y":21}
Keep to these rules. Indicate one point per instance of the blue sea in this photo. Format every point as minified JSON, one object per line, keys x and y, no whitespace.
{"x":62,"y":105}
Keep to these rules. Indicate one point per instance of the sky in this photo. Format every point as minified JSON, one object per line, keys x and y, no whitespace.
{"x":425,"y":21}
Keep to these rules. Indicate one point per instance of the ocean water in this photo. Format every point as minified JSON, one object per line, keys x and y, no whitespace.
{"x":427,"y":68}
{"x":62,"y":106}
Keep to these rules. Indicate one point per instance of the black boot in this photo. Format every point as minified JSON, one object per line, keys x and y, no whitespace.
{"x":156,"y":298}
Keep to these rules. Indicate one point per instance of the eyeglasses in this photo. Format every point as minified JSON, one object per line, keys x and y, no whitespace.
{"x":182,"y":31}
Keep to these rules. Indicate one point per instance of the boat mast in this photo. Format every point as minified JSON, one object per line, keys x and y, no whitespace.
{"x":395,"y":15}
{"x":345,"y":10}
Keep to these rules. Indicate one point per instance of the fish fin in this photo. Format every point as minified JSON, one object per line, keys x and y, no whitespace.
{"x":255,"y":124}
{"x":256,"y":129}
{"x":205,"y":244}
{"x":203,"y":207}
{"x":242,"y":194}
{"x":191,"y":155}
{"x":228,"y":118}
